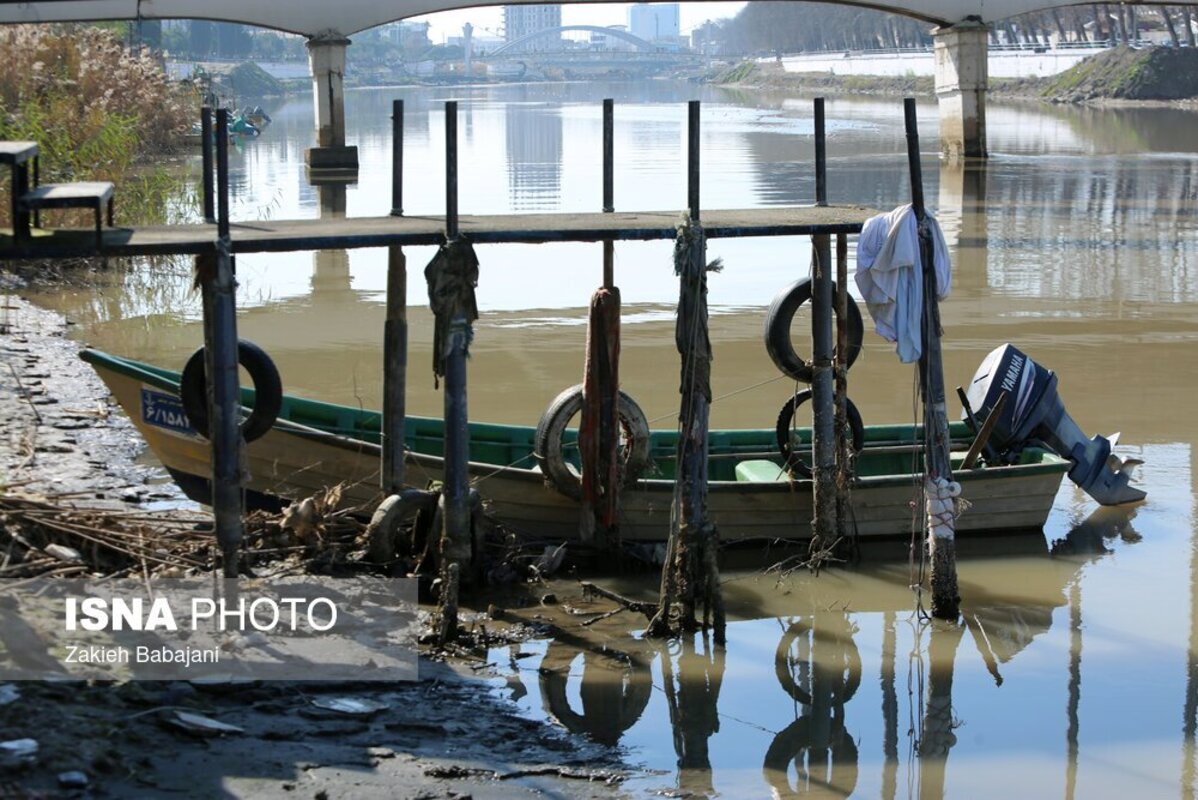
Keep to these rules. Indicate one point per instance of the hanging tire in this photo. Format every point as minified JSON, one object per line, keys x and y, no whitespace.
{"x":786,"y":418}
{"x":268,"y":391}
{"x":547,"y":443}
{"x":777,"y":331}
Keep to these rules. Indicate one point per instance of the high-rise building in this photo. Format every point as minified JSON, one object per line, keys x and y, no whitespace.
{"x":653,"y":21}
{"x":521,"y":21}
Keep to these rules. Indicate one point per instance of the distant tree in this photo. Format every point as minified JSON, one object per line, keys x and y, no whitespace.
{"x":176,"y":41}
{"x":203,"y":37}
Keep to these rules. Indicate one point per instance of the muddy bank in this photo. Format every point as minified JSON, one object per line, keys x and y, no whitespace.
{"x":60,"y":434}
{"x":749,"y":75}
{"x":1119,"y":76}
{"x":447,"y":735}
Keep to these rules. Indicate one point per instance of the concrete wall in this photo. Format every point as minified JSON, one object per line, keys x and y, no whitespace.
{"x":1002,"y":63}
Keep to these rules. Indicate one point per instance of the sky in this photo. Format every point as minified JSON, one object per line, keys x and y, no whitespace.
{"x":490,"y":18}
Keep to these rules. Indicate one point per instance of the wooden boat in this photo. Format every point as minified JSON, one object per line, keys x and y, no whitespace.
{"x":314,"y":445}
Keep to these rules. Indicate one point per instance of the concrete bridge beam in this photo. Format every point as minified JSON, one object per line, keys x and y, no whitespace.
{"x":326,"y":58}
{"x":961,"y":76}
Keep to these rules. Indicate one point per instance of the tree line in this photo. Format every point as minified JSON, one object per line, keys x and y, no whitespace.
{"x":785,"y":26}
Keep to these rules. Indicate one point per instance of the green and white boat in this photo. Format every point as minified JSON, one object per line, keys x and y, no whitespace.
{"x":314,"y":445}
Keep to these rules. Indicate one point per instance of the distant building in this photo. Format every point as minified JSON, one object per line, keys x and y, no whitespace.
{"x":408,"y":35}
{"x":521,"y":21}
{"x":654,"y":22}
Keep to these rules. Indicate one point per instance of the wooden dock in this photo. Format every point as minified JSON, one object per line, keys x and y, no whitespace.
{"x":357,"y":232}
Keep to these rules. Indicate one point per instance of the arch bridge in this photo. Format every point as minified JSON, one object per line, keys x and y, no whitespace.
{"x":515,"y":45}
{"x":960,"y":37}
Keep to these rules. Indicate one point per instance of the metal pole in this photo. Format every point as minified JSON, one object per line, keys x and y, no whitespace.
{"x":823,"y":432}
{"x":692,"y":158}
{"x":397,"y":158}
{"x":451,"y":169}
{"x":395,"y":370}
{"x":206,"y":146}
{"x":821,"y":152}
{"x":609,"y":189}
{"x":946,"y":598}
{"x":221,"y":358}
{"x":843,"y":443}
{"x":609,"y":180}
{"x":222,"y":172}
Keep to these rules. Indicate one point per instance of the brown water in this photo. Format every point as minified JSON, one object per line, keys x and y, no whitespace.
{"x":1076,"y":241}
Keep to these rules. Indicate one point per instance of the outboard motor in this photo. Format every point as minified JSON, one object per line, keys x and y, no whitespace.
{"x":1033,"y":412}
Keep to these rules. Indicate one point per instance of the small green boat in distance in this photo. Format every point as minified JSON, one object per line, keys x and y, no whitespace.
{"x":314,"y":445}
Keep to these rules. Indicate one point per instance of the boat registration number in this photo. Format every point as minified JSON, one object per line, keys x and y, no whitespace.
{"x":164,"y":411}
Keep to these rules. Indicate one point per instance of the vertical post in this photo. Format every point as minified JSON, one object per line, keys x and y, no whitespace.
{"x":823,"y":426}
{"x":220,"y":362}
{"x":451,"y":170}
{"x":395,"y":368}
{"x":455,"y":536}
{"x":843,"y":442}
{"x":397,"y":158}
{"x":206,"y":146}
{"x":395,"y":328}
{"x":941,"y":545}
{"x":609,"y":171}
{"x":821,"y":155}
{"x":222,"y":173}
{"x":691,"y":567}
{"x":609,"y":189}
{"x":692,"y":160}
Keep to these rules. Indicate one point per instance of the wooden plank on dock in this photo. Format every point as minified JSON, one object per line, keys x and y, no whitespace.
{"x":357,"y":232}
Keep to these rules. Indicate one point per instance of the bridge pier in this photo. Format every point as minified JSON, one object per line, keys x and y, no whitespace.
{"x":326,"y":59}
{"x":961,"y":51}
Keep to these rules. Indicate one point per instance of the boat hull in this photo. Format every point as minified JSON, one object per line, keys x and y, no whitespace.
{"x":293,"y":461}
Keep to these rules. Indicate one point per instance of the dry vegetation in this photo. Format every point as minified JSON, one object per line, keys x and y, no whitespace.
{"x":95,"y":108}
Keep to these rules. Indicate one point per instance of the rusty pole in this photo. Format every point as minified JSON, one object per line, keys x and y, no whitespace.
{"x":395,"y":329}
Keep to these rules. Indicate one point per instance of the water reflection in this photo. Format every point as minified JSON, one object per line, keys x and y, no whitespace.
{"x":534,"y":156}
{"x":818,"y":665}
{"x":619,"y":688}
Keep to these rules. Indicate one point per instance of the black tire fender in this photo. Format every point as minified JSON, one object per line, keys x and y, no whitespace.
{"x":268,"y":391}
{"x":777,"y":331}
{"x":547,"y":442}
{"x":786,"y":417}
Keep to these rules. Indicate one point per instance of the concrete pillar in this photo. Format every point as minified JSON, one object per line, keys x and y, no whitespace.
{"x":961,"y":77}
{"x":326,"y":59}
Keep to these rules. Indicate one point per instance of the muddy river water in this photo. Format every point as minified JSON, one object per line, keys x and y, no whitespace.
{"x":1076,"y":672}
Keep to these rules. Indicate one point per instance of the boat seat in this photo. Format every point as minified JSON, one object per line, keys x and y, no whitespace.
{"x":760,"y":471}
{"x":94,"y":195}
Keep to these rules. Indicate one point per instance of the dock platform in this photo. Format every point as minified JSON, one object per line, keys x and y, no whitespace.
{"x":358,"y":232}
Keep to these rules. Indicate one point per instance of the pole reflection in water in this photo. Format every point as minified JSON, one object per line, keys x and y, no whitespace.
{"x":818,"y":665}
{"x":1190,"y":713}
{"x":889,"y":710}
{"x":935,"y":733}
{"x":693,"y":694}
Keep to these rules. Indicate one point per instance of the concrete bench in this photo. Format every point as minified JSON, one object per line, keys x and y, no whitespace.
{"x":72,"y":195}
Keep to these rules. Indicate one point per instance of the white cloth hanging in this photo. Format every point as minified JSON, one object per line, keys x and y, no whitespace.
{"x":891,"y":280}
